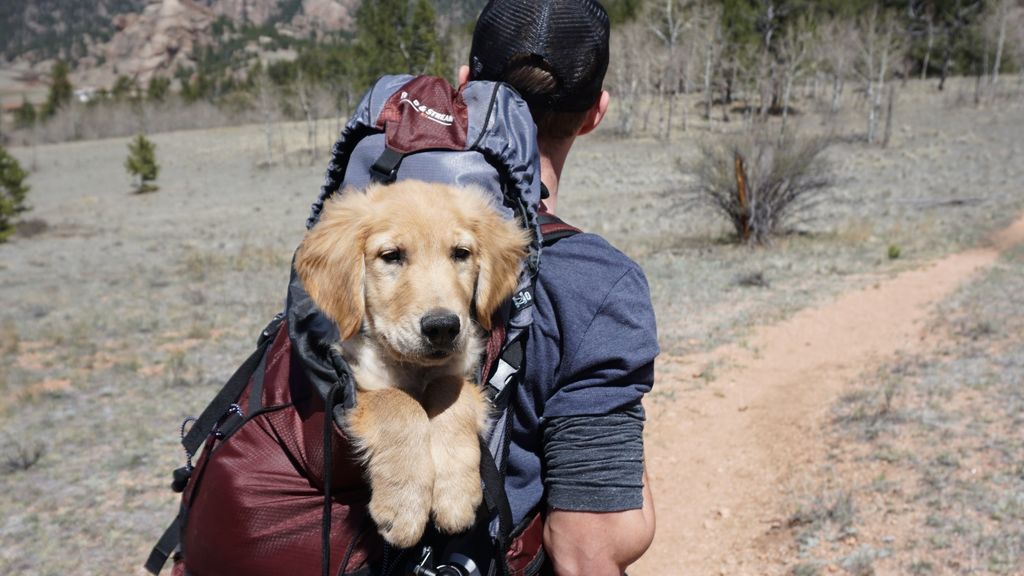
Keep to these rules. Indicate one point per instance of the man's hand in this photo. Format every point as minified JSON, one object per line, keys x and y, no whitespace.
{"x":599,"y":543}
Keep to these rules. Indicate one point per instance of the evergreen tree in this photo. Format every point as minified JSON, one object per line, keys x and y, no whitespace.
{"x":141,"y":163}
{"x":25,"y":116}
{"x":13,"y":191}
{"x":396,"y":36}
{"x":426,"y":54}
{"x":158,"y":88}
{"x":622,"y":11}
{"x":60,"y":89}
{"x":379,"y":41}
{"x":125,"y":88}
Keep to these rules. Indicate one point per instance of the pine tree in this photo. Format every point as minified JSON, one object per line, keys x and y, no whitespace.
{"x":396,"y":36}
{"x":141,"y":163}
{"x":13,"y":191}
{"x":158,"y":88}
{"x":25,"y":115}
{"x":427,"y":54}
{"x":60,"y":89}
{"x":380,"y":42}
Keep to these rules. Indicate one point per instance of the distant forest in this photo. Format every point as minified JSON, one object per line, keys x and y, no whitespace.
{"x":58,"y":28}
{"x":754,"y":56}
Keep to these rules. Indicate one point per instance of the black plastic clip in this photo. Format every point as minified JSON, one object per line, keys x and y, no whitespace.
{"x":385,"y":169}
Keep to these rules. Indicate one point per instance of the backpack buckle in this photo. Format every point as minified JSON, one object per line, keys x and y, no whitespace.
{"x":385,"y":169}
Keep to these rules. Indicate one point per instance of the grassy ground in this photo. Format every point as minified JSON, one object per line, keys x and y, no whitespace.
{"x":124,"y":313}
{"x":950,"y":177}
{"x":926,"y":474}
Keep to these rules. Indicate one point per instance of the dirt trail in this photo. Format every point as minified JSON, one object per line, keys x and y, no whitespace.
{"x":721,"y":455}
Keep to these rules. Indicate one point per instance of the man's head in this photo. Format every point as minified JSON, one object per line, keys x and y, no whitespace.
{"x":553,"y":52}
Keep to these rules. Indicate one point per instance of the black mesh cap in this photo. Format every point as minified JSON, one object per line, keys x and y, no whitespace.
{"x":569,"y":38}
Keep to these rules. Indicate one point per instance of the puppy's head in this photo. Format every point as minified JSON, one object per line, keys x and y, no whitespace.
{"x":413,"y":264}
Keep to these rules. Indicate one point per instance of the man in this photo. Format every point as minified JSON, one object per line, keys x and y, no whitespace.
{"x":577,"y":444}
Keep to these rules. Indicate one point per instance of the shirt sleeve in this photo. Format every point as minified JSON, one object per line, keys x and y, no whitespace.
{"x":608,"y":363}
{"x":595,"y":463}
{"x":593,"y":420}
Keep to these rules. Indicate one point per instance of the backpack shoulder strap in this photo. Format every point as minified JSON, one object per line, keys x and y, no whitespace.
{"x":553,"y":228}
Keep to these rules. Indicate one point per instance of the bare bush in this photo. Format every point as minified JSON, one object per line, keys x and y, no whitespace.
{"x":760,"y":183}
{"x":20,"y":456}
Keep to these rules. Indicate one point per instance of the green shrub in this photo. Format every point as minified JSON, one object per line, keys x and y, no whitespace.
{"x":141,"y":163}
{"x":13,"y":191}
{"x":894,"y":251}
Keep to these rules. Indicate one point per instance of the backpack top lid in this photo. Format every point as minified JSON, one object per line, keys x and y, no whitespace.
{"x":481,"y":134}
{"x":408,"y":127}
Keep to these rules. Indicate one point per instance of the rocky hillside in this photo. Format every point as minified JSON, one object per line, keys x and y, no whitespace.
{"x":43,"y":29}
{"x":143,"y":38}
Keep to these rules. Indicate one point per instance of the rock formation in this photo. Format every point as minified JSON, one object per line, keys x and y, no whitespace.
{"x":164,"y":36}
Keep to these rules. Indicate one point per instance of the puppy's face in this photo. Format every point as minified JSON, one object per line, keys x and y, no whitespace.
{"x":412,"y":265}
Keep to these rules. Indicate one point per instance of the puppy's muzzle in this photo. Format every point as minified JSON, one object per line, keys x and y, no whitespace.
{"x":440,"y":328}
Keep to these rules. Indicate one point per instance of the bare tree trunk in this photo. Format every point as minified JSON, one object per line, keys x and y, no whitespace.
{"x":707,"y":81}
{"x":766,"y":81}
{"x":888,"y":116}
{"x":837,"y":93}
{"x":876,"y":90}
{"x":305,"y":100}
{"x":999,"y":47}
{"x":785,"y":100}
{"x":670,"y":94}
{"x":979,"y":72}
{"x":267,"y":124}
{"x":947,"y":64}
{"x":872,"y":111}
{"x":928,"y":51}
{"x":687,"y":80}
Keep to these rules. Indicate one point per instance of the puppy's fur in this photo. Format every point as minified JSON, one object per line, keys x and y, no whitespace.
{"x":388,"y":266}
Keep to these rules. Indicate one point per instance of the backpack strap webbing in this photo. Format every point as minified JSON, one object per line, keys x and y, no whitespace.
{"x":201,"y":429}
{"x":553,"y":228}
{"x":506,"y":361}
{"x":227,"y":396}
{"x":509,"y":355}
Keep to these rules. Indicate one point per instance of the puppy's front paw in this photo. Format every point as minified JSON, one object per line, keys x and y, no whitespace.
{"x":401,"y":512}
{"x":457,"y":495}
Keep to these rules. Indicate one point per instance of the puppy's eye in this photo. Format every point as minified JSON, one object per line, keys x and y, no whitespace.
{"x":460,"y":254}
{"x":392,"y":256}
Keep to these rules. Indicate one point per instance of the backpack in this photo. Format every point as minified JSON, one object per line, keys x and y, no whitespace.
{"x":277,"y":488}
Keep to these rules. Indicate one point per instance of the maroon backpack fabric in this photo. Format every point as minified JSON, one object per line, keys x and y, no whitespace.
{"x":255,"y":500}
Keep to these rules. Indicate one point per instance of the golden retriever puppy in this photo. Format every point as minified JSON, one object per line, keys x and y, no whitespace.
{"x":411,"y":274}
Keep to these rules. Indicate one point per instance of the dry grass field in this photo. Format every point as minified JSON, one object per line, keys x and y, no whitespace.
{"x":123,"y":313}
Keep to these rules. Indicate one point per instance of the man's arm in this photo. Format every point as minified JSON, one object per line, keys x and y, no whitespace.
{"x":599,"y":543}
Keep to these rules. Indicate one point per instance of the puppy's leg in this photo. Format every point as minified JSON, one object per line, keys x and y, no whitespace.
{"x":392,"y":432}
{"x":458,"y":414}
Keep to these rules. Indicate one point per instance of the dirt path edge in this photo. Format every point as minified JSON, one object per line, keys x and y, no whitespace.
{"x":720,"y":455}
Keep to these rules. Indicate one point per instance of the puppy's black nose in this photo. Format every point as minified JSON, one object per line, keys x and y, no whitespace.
{"x":440,"y":327}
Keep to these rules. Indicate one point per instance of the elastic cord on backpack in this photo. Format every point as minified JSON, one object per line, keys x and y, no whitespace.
{"x":325,"y":527}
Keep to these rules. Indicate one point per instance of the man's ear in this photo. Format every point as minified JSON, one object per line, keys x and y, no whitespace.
{"x":330,"y":262}
{"x":463,"y":75}
{"x":595,"y":114}
{"x":502,"y":247}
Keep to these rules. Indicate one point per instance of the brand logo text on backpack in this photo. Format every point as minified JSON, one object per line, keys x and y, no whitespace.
{"x":430,"y":113}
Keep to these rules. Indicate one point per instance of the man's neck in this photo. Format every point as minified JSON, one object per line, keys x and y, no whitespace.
{"x":552,"y":160}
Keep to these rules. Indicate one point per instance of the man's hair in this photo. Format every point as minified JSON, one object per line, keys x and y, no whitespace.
{"x":553,"y":52}
{"x":532,"y":80}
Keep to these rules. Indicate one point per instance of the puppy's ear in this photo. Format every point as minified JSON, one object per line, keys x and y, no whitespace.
{"x":502,"y":247}
{"x":330,"y":262}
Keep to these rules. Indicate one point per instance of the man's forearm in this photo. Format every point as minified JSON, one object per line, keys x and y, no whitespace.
{"x":599,"y":543}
